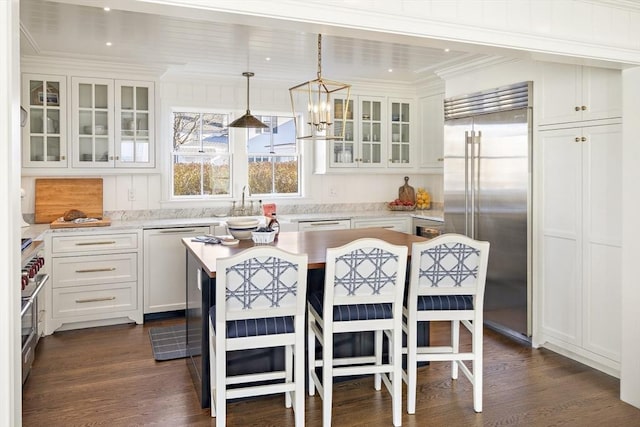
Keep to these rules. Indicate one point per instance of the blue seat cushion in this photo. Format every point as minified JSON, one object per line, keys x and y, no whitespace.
{"x":256,"y":327}
{"x":343,"y":313}
{"x":445,"y":302}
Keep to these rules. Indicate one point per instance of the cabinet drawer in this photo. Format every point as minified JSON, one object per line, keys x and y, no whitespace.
{"x":94,"y":243}
{"x":90,"y":300}
{"x":338,"y":224}
{"x":397,"y":224}
{"x":94,"y":270}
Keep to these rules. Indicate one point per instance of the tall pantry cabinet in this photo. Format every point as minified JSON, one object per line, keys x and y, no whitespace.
{"x":577,"y":196}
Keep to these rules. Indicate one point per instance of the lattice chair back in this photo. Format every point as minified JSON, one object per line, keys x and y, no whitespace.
{"x":451,"y":264}
{"x":261,"y":282}
{"x":365,"y":271}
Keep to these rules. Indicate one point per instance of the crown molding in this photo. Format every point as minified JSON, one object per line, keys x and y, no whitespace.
{"x":92,"y":66}
{"x":473,"y":65}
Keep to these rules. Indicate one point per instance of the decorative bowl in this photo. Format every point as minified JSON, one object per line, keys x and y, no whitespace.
{"x":263,"y":237}
{"x":400,"y":207}
{"x":240,"y":223}
{"x":242,"y":233}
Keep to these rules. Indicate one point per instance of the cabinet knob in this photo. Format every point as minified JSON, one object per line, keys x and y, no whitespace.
{"x":583,"y":108}
{"x":577,"y":139}
{"x":63,"y":157}
{"x":117,"y":157}
{"x":111,"y":158}
{"x":583,"y":139}
{"x":577,"y":108}
{"x":440,"y":159}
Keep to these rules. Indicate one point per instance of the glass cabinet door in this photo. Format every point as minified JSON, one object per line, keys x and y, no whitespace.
{"x":400,"y":133}
{"x":370,"y":133}
{"x":44,"y":119}
{"x":134,"y":127}
{"x":343,"y":153}
{"x":93,"y":127}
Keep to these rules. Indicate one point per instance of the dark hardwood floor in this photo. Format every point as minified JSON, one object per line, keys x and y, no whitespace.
{"x":107,"y":376}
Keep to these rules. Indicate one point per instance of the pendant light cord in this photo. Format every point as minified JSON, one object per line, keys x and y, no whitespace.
{"x":319,"y":56}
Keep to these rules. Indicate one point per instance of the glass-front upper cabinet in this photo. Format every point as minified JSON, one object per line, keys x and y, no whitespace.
{"x":343,"y":153}
{"x":363,"y":136}
{"x":112,"y":123}
{"x":44,"y":121}
{"x":92,"y":122}
{"x":371,"y":137}
{"x":134,"y":124}
{"x":401,"y":139}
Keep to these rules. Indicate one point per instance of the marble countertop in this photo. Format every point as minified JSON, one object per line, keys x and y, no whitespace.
{"x":435,"y":215}
{"x":36,"y":231}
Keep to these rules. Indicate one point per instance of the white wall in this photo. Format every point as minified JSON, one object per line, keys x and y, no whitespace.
{"x":267,"y":97}
{"x":10,"y":359}
{"x":630,"y":359}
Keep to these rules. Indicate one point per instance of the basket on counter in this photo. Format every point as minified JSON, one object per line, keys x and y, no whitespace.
{"x":400,"y":207}
{"x":263,"y":237}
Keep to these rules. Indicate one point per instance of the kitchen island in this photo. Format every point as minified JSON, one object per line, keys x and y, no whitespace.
{"x":201,"y":274}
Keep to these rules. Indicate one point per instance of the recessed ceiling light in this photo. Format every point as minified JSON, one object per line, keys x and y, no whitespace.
{"x":108,"y":43}
{"x":107,"y":9}
{"x":267,"y":59}
{"x":447,"y":50}
{"x":390,"y":70}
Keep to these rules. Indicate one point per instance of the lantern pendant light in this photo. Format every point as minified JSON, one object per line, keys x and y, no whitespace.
{"x":248,"y":120}
{"x":317,"y":106}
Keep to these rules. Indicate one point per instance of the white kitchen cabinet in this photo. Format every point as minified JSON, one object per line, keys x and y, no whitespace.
{"x":579,"y":255}
{"x":164,"y":268}
{"x":572,"y":93}
{"x":112,"y":123}
{"x":364,"y":142}
{"x":379,"y":134}
{"x":96,"y":279}
{"x":330,"y":224}
{"x":398,"y":224}
{"x":134,"y":135}
{"x":432,"y":132}
{"x":401,"y":127}
{"x":44,"y":135}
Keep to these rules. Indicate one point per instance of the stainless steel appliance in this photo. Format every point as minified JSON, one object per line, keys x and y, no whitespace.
{"x":487,"y":183}
{"x":32,"y":282}
{"x":429,"y":228}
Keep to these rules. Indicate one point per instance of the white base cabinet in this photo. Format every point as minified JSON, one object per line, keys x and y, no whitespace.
{"x":164,"y":268}
{"x":579,"y":252}
{"x":96,"y":279}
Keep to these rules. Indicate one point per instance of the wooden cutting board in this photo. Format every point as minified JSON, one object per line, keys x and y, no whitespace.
{"x":55,"y":196}
{"x":104,"y":222}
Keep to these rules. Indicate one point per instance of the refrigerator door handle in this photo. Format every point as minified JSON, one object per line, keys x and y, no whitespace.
{"x":475,"y":180}
{"x":467,"y":146}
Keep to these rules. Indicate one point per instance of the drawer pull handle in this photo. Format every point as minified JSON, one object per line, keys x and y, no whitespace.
{"x":96,"y":270}
{"x":80,"y":301}
{"x":181,"y":230}
{"x":106,"y":242}
{"x":320,"y":224}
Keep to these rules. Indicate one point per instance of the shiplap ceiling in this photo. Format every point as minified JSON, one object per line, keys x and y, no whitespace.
{"x":60,"y":30}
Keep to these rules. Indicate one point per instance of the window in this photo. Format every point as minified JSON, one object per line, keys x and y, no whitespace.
{"x":273,"y":158}
{"x":201,"y":159}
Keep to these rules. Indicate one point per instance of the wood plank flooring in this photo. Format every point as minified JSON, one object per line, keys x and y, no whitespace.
{"x":107,"y":376}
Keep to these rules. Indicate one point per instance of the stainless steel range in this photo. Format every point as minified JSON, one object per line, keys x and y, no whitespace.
{"x":31,"y":283}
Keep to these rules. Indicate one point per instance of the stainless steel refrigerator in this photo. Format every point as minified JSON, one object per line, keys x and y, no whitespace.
{"x":487,"y":194}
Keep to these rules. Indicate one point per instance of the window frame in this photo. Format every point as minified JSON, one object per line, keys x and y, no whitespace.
{"x":203,"y":154}
{"x":298,"y":154}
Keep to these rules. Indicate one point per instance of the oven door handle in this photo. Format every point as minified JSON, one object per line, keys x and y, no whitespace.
{"x":41,"y":280}
{"x":26,"y":307}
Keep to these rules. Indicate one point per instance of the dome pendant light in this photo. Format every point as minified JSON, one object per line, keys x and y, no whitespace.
{"x":247,"y":121}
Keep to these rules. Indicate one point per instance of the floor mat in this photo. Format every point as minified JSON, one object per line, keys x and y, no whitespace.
{"x":168,"y":342}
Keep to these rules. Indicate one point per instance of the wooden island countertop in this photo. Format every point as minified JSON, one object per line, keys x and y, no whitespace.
{"x":313,"y":243}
